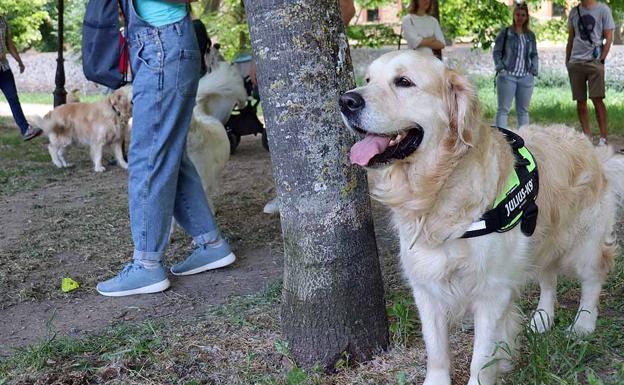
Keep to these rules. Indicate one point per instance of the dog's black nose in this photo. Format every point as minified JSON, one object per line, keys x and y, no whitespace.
{"x":351,"y":102}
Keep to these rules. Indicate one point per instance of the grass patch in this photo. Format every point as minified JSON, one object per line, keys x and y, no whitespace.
{"x":48,"y":98}
{"x":25,"y":165}
{"x":126,"y":347}
{"x":552,"y":103}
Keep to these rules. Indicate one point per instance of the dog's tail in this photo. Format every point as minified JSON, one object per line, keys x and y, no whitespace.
{"x":613,"y":165}
{"x":224,"y":80}
{"x":42,"y":122}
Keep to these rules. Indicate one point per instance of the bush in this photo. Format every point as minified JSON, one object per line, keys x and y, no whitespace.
{"x":555,"y":30}
{"x":372,"y":35}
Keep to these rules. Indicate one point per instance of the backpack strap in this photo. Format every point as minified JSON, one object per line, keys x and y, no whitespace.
{"x":582,"y":24}
{"x":504,"y":44}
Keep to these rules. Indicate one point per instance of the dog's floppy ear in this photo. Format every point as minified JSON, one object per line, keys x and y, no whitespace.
{"x":461,"y":105}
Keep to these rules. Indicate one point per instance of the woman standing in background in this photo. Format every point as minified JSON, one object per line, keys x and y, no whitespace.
{"x":421,"y":30}
{"x":516,"y":62}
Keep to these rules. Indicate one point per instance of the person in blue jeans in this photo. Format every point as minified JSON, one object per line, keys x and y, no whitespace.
{"x":7,"y":81}
{"x":516,"y":63}
{"x":163,"y":182}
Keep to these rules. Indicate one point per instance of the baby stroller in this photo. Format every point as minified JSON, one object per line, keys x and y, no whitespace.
{"x":244,"y":121}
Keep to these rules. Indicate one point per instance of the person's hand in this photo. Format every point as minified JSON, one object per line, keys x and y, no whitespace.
{"x":22,"y":67}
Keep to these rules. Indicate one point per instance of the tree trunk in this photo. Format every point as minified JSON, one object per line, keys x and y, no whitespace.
{"x":333,"y":305}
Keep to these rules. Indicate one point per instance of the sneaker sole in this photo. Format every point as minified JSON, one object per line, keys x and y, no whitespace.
{"x":154,"y":288}
{"x":227,"y":260}
{"x":26,"y":139}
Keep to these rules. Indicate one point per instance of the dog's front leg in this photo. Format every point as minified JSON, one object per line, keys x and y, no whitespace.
{"x":434,"y":320}
{"x":119,"y":155}
{"x":53,"y":150}
{"x":492,"y":320}
{"x":96,"y":157}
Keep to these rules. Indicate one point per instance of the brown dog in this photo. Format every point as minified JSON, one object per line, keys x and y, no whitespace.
{"x":99,"y":124}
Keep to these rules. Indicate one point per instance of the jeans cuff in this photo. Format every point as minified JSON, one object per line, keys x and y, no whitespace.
{"x":206,"y":238}
{"x":153,"y":256}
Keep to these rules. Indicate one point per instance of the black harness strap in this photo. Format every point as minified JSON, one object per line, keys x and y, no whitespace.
{"x":519,"y":205}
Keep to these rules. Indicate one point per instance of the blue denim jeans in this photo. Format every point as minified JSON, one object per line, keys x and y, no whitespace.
{"x":7,"y":85}
{"x":508,"y":87}
{"x":162,"y":180}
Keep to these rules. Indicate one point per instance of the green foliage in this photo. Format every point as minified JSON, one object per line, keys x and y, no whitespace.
{"x":480,"y":20}
{"x":229,"y":26}
{"x":372,"y":4}
{"x":25,"y":18}
{"x":372,"y":35}
{"x":555,"y":30}
{"x":402,"y":320}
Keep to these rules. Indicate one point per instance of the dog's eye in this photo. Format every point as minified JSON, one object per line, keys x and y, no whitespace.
{"x":403,"y":82}
{"x":367,"y":80}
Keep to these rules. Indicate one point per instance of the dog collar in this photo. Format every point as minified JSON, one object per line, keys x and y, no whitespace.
{"x":516,"y":204}
{"x":116,"y":110}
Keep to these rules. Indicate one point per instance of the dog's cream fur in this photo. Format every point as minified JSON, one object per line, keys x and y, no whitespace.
{"x":208,"y":145}
{"x":452,"y":178}
{"x":99,"y":124}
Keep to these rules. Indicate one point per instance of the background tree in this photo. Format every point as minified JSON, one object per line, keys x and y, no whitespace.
{"x":25,"y":17}
{"x":333,"y":304}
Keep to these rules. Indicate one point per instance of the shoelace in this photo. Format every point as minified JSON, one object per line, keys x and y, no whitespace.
{"x":127,"y":269}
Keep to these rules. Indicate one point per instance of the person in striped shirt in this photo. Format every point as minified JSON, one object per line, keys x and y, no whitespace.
{"x":516,"y":62}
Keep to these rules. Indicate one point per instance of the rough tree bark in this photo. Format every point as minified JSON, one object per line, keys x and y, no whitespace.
{"x":333,"y":292}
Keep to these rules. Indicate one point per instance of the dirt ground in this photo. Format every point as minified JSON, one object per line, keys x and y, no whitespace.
{"x":74,"y":223}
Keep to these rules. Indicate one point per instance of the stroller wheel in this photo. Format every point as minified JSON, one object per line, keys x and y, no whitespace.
{"x":234,"y":141}
{"x":265,"y":140}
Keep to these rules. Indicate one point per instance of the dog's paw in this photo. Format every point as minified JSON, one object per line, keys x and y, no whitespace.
{"x":437,"y":378}
{"x":100,"y":168}
{"x":585,"y":324}
{"x":123,"y":165}
{"x":541,"y":322}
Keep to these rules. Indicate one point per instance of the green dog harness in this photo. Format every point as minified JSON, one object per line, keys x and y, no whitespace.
{"x":516,"y":204}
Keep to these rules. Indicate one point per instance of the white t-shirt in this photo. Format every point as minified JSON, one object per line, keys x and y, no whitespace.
{"x":415,"y":28}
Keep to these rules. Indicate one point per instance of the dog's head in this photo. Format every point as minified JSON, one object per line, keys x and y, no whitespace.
{"x":213,"y":57}
{"x":121,"y":101}
{"x":411,"y":101}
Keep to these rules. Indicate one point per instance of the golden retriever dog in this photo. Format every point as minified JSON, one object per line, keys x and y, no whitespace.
{"x":438,"y":168}
{"x":99,"y":124}
{"x":208,"y":146}
{"x":73,"y":96}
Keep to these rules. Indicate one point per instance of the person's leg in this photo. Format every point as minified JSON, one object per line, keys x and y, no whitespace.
{"x":160,"y":124}
{"x":193,"y":213}
{"x":160,"y":176}
{"x":601,"y":116}
{"x":7,"y":84}
{"x":596,"y":82}
{"x":578,"y":84}
{"x":581,"y":109}
{"x":505,"y":90}
{"x":524,"y":90}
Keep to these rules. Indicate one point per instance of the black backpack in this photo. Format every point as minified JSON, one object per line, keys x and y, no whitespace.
{"x":101,"y":51}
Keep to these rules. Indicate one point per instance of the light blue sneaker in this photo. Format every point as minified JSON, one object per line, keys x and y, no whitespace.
{"x":205,"y":257}
{"x":135,"y":279}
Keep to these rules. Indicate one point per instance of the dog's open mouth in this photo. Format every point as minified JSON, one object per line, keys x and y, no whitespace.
{"x":376,"y":149}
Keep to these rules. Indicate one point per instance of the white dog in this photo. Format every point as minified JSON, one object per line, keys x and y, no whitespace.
{"x":208,"y":147}
{"x":439,"y":169}
{"x":100,"y":124}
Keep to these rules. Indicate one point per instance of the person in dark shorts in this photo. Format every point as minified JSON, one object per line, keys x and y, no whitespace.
{"x":590,"y":35}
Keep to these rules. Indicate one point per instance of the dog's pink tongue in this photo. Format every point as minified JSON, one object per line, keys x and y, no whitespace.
{"x":365,"y":149}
